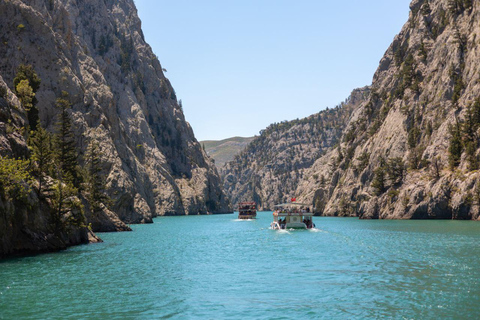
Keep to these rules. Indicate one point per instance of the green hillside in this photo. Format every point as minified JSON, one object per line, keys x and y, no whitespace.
{"x":223,"y":151}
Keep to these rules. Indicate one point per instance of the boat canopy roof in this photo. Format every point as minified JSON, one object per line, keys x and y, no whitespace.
{"x":247,"y":203}
{"x":294,"y":214}
{"x":293,"y":204}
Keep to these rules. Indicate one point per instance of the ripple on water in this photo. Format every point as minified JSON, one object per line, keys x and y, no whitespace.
{"x":212,"y":267}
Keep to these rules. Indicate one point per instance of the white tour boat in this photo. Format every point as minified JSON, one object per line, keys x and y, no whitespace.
{"x":292,"y":216}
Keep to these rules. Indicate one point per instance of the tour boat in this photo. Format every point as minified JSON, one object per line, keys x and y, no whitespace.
{"x":292,"y":216}
{"x":247,"y":210}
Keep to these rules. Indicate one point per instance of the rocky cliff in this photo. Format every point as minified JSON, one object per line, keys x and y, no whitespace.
{"x":269,"y":169}
{"x":95,"y":52}
{"x":414,"y":142}
{"x":27,"y":225}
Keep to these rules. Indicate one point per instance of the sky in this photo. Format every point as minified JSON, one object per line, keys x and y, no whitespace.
{"x":241,"y":65}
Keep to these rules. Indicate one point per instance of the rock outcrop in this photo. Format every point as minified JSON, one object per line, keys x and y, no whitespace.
{"x":95,"y":52}
{"x":27,"y":226}
{"x":269,"y":169}
{"x":414,"y":142}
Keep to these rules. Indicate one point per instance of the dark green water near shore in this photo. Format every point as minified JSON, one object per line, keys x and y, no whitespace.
{"x":216,"y":267}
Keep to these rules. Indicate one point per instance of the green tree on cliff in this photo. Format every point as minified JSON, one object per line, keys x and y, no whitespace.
{"x":378,"y":182}
{"x":455,"y":149}
{"x":14,"y":178}
{"x":40,"y":143}
{"x":25,"y":94}
{"x":65,"y":193}
{"x":95,"y":180}
{"x":395,"y":170}
{"x":26,"y":83}
{"x":66,"y":205}
{"x":65,"y":147}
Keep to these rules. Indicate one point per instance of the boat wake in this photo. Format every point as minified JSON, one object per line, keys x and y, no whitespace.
{"x":284,"y":231}
{"x":236,"y":220}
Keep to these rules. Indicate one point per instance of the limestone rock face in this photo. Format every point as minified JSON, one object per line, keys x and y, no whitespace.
{"x":95,"y":52}
{"x":269,"y":169}
{"x":425,"y":91}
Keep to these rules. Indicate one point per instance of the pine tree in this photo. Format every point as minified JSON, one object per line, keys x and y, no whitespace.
{"x":26,"y":72}
{"x":469,"y":128}
{"x":475,"y":110}
{"x":415,"y":158}
{"x":95,"y":180}
{"x":471,"y":150}
{"x":66,"y":204}
{"x":470,"y":125}
{"x":25,"y":94}
{"x":363,"y":161}
{"x":26,"y":83}
{"x":455,"y":148}
{"x":40,"y":143}
{"x":395,"y":170}
{"x":413,"y":130}
{"x":378,"y":181}
{"x":66,"y":153}
{"x":14,"y":178}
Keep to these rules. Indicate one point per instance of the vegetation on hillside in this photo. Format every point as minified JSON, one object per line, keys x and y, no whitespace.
{"x":51,"y":169}
{"x":224,"y":151}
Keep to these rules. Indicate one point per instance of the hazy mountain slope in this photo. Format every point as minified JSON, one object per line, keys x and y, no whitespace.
{"x":269,"y":169}
{"x":95,"y":51}
{"x":414,"y":142}
{"x":223,"y":151}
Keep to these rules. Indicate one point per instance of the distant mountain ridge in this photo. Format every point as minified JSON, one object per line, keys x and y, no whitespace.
{"x":223,"y":151}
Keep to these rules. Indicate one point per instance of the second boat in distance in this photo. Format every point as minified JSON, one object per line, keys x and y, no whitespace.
{"x":247,"y":210}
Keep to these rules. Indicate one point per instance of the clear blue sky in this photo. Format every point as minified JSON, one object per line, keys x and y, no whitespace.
{"x":240,"y":65}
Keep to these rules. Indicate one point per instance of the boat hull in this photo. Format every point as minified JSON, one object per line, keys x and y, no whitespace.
{"x":297,"y":226}
{"x":247,"y":217}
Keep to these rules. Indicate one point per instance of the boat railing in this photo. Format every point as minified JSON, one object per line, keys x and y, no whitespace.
{"x":283,"y":213}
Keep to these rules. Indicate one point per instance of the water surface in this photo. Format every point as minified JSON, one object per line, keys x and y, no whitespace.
{"x":215,"y":267}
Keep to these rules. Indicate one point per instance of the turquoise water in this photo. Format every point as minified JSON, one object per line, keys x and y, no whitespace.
{"x":215,"y":267}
